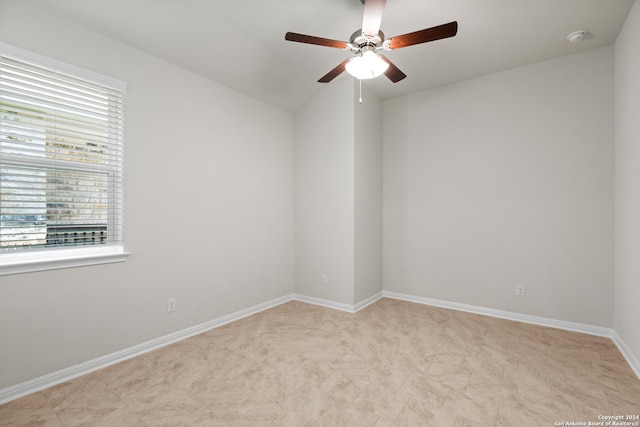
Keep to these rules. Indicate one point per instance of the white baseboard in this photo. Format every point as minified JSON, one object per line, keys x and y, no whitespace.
{"x":525,"y":318}
{"x":368,"y":301}
{"x":19,"y":390}
{"x":508,"y":315}
{"x":627,"y":353}
{"x":338,"y":305}
{"x":49,"y":380}
{"x":324,"y":303}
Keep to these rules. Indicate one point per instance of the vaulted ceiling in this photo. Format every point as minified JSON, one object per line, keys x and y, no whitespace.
{"x":240,"y":43}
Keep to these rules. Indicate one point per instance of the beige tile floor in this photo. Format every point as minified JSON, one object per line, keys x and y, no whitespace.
{"x":393,"y":363}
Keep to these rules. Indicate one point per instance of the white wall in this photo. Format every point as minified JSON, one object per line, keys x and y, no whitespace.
{"x":324,"y":194}
{"x":208,"y":206}
{"x":338,"y":194}
{"x":368,"y":195}
{"x":627,"y":182}
{"x":501,"y":180}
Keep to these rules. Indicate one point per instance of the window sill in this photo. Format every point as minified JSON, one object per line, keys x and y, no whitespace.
{"x":62,"y":258}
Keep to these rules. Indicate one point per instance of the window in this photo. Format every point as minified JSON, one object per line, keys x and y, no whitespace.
{"x":60,"y":164}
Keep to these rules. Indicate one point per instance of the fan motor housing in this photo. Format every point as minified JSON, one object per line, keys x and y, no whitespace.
{"x":360,"y":40}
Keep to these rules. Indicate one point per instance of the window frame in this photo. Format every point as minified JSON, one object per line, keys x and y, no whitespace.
{"x":40,"y":259}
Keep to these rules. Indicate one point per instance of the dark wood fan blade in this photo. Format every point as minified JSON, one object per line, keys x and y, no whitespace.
{"x":334,"y":73}
{"x":427,"y":35}
{"x":302,"y":38}
{"x":393,"y":73}
{"x":372,"y":18}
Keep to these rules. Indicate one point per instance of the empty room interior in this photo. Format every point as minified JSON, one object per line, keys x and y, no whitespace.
{"x":453,"y":242}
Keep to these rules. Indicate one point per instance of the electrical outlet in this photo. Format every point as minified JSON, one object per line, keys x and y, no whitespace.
{"x":520,"y":290}
{"x":324,"y":280}
{"x":171,"y":305}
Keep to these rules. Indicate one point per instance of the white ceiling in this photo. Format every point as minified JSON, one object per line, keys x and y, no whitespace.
{"x":240,"y":43}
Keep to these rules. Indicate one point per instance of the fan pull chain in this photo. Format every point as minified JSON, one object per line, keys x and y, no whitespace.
{"x":360,"y":80}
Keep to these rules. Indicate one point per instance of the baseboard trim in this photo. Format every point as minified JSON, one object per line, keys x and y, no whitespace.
{"x":338,"y":305}
{"x":626,"y":353}
{"x":633,"y":362}
{"x":23,"y":389}
{"x":49,"y":380}
{"x":366,"y":302}
{"x":324,"y":303}
{"x":508,"y":315}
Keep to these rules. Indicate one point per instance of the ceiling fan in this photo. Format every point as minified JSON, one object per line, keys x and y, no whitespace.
{"x":365,"y":44}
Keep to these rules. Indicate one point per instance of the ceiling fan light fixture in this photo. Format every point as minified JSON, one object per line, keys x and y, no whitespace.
{"x":366,"y":66}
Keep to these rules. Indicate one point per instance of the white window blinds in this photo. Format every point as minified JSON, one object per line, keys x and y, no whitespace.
{"x":60,"y":156}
